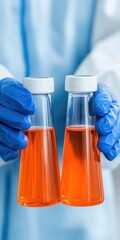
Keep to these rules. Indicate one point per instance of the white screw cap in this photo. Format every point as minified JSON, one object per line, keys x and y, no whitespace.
{"x":39,"y":85}
{"x":81,"y":83}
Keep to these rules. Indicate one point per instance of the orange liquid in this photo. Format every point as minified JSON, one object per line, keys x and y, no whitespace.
{"x":39,"y":180}
{"x":81,"y":173}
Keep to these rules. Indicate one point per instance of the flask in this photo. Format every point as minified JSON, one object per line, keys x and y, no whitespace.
{"x":81,"y":183}
{"x":39,"y":179}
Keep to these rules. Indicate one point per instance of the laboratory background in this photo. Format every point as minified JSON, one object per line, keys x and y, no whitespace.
{"x":56,"y":38}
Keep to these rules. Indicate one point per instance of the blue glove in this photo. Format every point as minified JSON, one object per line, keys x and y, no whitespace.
{"x":107,"y":111}
{"x":16,"y":103}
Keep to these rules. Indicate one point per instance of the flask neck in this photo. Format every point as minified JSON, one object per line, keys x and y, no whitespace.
{"x":43,"y":116}
{"x":80,"y":109}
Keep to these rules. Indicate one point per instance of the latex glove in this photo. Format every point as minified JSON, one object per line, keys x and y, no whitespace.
{"x":16,"y":103}
{"x":107,"y":110}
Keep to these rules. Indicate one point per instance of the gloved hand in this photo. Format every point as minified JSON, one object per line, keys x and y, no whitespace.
{"x":16,"y":103}
{"x":107,"y":111}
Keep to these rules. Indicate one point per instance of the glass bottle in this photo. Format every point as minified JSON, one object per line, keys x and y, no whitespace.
{"x":81,"y":183}
{"x":39,"y":179}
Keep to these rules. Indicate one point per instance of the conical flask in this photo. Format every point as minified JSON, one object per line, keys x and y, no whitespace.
{"x":39,"y":179}
{"x":82,"y":183}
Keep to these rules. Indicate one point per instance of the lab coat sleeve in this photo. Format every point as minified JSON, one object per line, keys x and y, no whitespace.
{"x":4,"y":72}
{"x":104,"y":61}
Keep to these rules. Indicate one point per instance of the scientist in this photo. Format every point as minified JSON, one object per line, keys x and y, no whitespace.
{"x":56,"y":38}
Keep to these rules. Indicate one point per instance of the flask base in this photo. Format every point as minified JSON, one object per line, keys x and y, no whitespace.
{"x":76,"y":202}
{"x":32,"y":203}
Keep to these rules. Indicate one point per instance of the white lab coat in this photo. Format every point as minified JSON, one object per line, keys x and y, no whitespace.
{"x":103,"y":60}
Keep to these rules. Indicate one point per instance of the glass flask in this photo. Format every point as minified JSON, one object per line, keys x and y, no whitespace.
{"x":81,"y":183}
{"x":39,"y":178}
